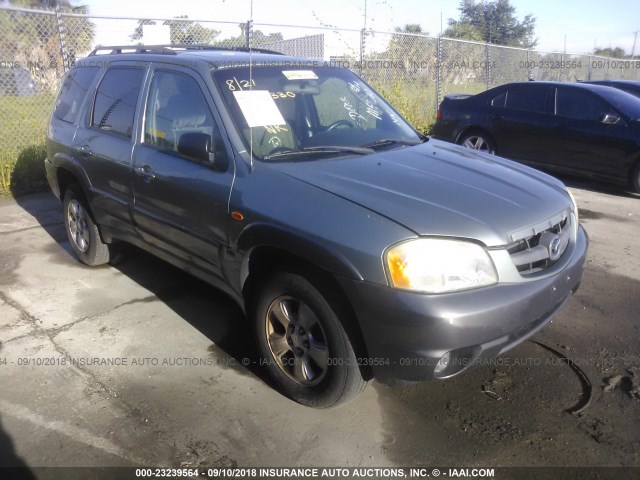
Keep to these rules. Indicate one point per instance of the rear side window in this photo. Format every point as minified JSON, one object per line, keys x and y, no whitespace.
{"x":531,"y":98}
{"x":72,"y":93}
{"x":116,"y":99}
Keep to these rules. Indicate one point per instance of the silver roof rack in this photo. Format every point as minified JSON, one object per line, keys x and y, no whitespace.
{"x":169,"y":49}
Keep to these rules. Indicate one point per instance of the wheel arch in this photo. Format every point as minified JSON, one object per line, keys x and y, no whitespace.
{"x":68,"y":171}
{"x":71,"y":174}
{"x":471,"y":129}
{"x":263,"y":260}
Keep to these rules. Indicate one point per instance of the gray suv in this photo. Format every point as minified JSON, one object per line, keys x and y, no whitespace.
{"x":357,"y":247}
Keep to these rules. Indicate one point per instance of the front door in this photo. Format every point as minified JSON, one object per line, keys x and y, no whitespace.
{"x":181,"y":203}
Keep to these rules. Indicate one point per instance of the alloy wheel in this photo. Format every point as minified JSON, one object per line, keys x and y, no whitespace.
{"x":297,"y":340}
{"x":77,"y":222}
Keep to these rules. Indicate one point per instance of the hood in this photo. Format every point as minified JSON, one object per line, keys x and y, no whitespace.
{"x":438,"y":188}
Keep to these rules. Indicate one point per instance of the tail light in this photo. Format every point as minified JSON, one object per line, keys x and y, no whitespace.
{"x":439,"y":113}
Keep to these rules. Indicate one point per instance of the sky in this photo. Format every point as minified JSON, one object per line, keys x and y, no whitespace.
{"x":577,"y":25}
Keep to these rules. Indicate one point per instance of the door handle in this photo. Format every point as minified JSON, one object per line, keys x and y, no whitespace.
{"x":145,"y":172}
{"x":84,"y":150}
{"x":495,"y":117}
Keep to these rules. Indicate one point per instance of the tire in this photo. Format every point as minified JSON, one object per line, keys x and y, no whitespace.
{"x":82,"y":231}
{"x":478,"y":141}
{"x":303,"y":343}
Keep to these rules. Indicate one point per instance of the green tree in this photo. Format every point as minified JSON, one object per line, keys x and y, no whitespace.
{"x":137,"y":33}
{"x":259,"y":39}
{"x":411,"y":46}
{"x":186,"y":31}
{"x":493,"y":22}
{"x":616,"y":52}
{"x":182,"y":31}
{"x":41,"y":4}
{"x":33,"y":40}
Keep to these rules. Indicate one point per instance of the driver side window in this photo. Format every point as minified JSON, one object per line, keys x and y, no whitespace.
{"x":176,"y":105}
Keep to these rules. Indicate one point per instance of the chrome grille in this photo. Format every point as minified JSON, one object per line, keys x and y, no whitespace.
{"x":540,"y":250}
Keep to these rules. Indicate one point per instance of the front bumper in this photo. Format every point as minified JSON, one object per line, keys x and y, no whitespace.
{"x":407,"y":334}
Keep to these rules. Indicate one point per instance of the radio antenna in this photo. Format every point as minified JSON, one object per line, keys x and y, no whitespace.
{"x":249,"y":28}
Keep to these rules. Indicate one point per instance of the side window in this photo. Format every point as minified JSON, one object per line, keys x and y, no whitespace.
{"x":72,"y":93}
{"x":175,"y":106}
{"x":116,"y":98}
{"x":531,"y":98}
{"x":580,"y":105}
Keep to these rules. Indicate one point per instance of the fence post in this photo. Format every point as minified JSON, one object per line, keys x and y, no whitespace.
{"x":589,"y":69}
{"x":438,"y":72}
{"x":363,"y":42}
{"x":529,"y":69}
{"x":247,"y":34}
{"x":61,"y":37}
{"x":487,"y":69}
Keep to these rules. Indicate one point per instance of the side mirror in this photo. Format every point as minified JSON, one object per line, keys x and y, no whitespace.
{"x":201,"y":147}
{"x":609,"y":119}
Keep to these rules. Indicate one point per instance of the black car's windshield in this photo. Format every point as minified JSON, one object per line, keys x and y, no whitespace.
{"x":282,"y":110}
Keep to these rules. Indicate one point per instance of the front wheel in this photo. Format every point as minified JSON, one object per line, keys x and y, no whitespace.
{"x":478,"y":141}
{"x":82,"y":231}
{"x":305,"y":347}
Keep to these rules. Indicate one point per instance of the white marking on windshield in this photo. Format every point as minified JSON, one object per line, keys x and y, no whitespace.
{"x":258,"y":108}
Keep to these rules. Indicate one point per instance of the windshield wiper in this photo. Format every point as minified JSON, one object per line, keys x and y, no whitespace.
{"x":391,"y":141}
{"x":324,"y":149}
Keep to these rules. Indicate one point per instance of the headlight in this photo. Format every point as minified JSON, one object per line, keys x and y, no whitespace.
{"x":435,"y":265}
{"x":575,"y":206}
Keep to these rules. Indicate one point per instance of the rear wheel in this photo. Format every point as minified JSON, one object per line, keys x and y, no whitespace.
{"x":82,"y":231}
{"x":306,"y":349}
{"x":478,"y":141}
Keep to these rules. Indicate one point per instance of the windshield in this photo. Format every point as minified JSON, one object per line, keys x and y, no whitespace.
{"x":281,"y":112}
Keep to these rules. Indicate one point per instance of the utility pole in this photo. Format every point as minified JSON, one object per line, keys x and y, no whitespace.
{"x":365,"y":14}
{"x":633,"y":49}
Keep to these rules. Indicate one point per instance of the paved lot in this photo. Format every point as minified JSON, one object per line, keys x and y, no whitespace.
{"x":176,"y":392}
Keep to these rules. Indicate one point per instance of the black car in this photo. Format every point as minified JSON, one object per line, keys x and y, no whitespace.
{"x":629,"y":86}
{"x":356,"y":246}
{"x":575,"y":128}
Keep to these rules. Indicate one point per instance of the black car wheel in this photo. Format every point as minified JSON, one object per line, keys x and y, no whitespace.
{"x":306,"y":349}
{"x":478,"y":141}
{"x":82,"y":231}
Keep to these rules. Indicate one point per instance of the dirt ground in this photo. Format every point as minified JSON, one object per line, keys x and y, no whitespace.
{"x":187,"y":393}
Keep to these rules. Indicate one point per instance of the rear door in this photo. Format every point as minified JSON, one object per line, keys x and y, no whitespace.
{"x":104,"y":142}
{"x":181,"y":204}
{"x":523,"y":127}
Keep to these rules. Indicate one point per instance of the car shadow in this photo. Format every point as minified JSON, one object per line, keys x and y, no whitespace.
{"x":210,"y":311}
{"x":11,"y":465}
{"x":594,"y":185}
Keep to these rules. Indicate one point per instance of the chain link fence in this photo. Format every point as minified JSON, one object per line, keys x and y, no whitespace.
{"x":412,"y":71}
